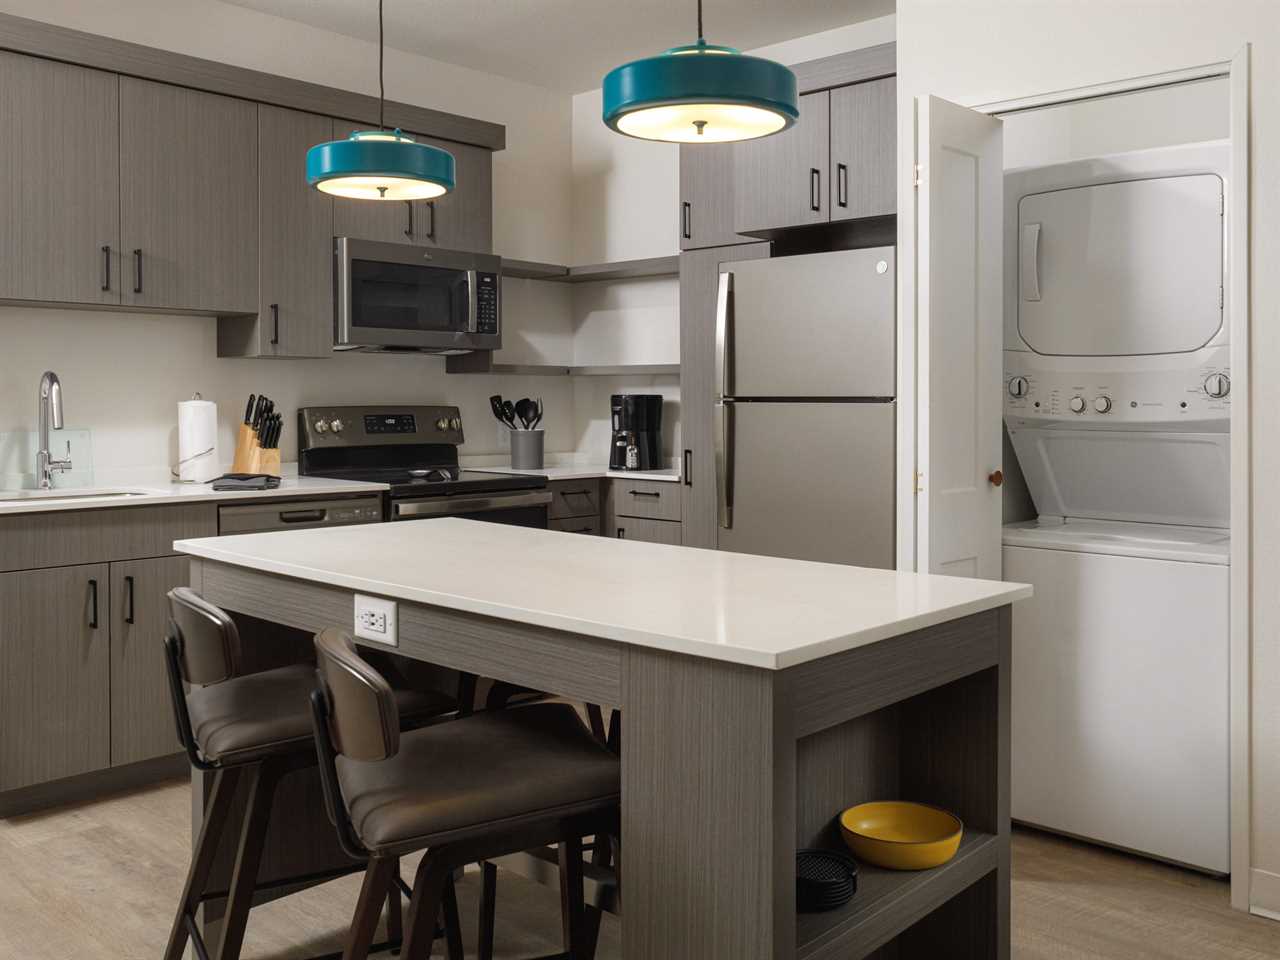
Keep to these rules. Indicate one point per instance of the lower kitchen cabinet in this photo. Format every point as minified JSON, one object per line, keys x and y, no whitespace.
{"x":650,"y":531}
{"x":141,"y":711}
{"x":55,"y":694}
{"x":575,"y":506}
{"x":590,"y":525}
{"x":646,"y":510}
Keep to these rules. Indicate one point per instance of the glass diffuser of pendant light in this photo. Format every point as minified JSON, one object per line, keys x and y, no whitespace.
{"x":380,"y":164}
{"x":700,"y":93}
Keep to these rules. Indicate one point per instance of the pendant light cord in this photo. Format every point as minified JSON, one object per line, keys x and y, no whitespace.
{"x":382,"y":84}
{"x":700,"y":37}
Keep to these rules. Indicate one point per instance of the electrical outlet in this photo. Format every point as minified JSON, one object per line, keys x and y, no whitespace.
{"x":375,"y":619}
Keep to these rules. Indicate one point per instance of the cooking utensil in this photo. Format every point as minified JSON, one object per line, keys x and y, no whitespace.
{"x":526,"y":410}
{"x":900,"y":835}
{"x":248,"y":410}
{"x":538,"y":417}
{"x":509,"y":413}
{"x":495,"y":404}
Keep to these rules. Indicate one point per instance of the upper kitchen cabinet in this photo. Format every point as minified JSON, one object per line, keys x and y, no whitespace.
{"x":59,"y":182}
{"x":294,"y":313}
{"x":706,"y":196}
{"x":838,"y":163}
{"x":782,"y":180}
{"x":188,"y":199}
{"x":864,"y":150}
{"x":460,"y":220}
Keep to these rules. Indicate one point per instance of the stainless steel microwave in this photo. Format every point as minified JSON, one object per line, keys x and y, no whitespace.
{"x":394,"y":296}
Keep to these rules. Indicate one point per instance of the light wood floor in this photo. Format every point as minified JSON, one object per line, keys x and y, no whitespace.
{"x":98,"y":882}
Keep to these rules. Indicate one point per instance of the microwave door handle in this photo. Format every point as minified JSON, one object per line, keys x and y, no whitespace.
{"x":473,"y":310}
{"x":724,"y":334}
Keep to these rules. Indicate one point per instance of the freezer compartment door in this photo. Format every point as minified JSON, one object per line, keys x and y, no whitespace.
{"x":809,"y":481}
{"x":818,"y":325}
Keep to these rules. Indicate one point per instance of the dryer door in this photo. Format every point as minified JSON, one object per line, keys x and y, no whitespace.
{"x":1121,"y":269}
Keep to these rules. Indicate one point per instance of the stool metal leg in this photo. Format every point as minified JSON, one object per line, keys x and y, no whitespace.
{"x":452,"y":925}
{"x":395,"y":912}
{"x":203,"y":856}
{"x":488,"y":907}
{"x":428,"y":896}
{"x":572,"y":913}
{"x":378,"y":881}
{"x":263,"y":778}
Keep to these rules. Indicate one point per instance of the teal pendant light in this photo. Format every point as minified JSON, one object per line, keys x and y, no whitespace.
{"x":380,"y":164}
{"x":700,"y":93}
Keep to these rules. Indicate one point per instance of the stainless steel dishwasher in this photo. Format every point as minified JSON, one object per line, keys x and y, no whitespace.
{"x":258,"y":517}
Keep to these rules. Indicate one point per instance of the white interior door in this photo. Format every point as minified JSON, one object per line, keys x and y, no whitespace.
{"x":959,"y":266}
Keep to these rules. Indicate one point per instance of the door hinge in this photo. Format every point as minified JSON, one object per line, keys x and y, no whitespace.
{"x":917,"y":174}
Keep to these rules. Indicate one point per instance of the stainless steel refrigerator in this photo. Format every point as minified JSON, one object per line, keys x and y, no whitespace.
{"x":804,"y":407}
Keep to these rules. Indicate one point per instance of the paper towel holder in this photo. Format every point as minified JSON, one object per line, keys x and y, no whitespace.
{"x":176,"y":471}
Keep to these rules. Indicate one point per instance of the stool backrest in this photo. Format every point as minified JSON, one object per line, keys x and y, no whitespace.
{"x":208,"y":643}
{"x":363,"y":719}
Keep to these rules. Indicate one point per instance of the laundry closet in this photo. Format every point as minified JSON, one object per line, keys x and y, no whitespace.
{"x":1117,"y":413}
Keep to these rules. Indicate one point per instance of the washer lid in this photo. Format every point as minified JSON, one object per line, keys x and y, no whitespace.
{"x":1146,"y":477}
{"x":1152,"y":540}
{"x":1121,"y":269}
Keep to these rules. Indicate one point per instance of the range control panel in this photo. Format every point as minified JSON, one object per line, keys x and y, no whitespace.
{"x":343,"y":426}
{"x":1035,"y":391}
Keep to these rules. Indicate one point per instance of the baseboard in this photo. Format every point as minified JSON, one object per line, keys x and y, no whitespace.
{"x":1264,"y":893}
{"x":93,"y":786}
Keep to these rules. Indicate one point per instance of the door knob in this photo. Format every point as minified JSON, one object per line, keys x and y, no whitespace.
{"x":996,"y":477}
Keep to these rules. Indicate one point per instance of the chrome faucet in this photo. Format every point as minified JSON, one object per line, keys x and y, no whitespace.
{"x":50,"y":409}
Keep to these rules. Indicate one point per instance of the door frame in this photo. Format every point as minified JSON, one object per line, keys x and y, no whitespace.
{"x":1236,"y":70}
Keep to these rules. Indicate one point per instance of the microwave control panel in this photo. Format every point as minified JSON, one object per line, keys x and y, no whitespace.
{"x":487,"y":303}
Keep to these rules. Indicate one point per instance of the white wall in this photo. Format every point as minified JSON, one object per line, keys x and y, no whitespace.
{"x":981,"y":51}
{"x":123,"y":374}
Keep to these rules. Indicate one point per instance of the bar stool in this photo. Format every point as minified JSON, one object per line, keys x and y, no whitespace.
{"x":480,"y":787}
{"x":255,"y":728}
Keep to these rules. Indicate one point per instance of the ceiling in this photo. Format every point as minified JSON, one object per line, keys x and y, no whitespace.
{"x":566,"y":44}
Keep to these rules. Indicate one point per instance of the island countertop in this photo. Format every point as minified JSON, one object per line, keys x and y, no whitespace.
{"x":758,"y":611}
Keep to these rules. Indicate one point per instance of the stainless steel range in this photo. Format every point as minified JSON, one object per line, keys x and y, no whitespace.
{"x":415,"y":450}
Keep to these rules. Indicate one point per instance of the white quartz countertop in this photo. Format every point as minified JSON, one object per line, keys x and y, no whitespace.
{"x":587,"y":472}
{"x":759,"y":611}
{"x":145,"y":490}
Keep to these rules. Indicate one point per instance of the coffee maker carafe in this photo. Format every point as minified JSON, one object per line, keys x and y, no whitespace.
{"x":637,"y":432}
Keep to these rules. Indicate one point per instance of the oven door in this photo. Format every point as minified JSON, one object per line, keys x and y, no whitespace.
{"x":527,"y":509}
{"x":394,"y":296}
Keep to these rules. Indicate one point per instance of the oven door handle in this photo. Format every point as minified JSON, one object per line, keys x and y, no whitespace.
{"x":448,"y":506}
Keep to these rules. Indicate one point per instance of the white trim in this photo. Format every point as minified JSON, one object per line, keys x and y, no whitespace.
{"x":1111,"y":88}
{"x":1265,"y":886}
{"x":908,"y":380}
{"x":1241,"y":493}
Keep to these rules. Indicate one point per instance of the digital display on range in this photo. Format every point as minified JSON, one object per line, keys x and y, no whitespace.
{"x":392,"y":423}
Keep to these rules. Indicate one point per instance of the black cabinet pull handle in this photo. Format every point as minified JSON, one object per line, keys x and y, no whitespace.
{"x":686,"y":220}
{"x":275,"y":324}
{"x":842,"y":184}
{"x":621,"y":531}
{"x":644,"y":493}
{"x":815,"y":187}
{"x":408,"y":231}
{"x":431,"y":223}
{"x":106,"y":266}
{"x":137,"y":270}
{"x":575,"y":493}
{"x":128,"y":586}
{"x":688,"y":468}
{"x":93,"y":604}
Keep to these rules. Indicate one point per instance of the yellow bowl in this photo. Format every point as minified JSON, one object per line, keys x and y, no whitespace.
{"x":901,"y":836}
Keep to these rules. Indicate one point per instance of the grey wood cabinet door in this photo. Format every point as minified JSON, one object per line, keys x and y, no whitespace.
{"x":781,"y":181}
{"x":295,"y":308}
{"x":59,"y":182}
{"x":649,"y":531}
{"x":864,"y":154}
{"x":706,"y":196}
{"x":54,"y":640}
{"x":699,"y":275}
{"x":141,"y":711}
{"x":188,"y":199}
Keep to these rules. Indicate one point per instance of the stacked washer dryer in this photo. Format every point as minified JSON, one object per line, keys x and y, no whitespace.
{"x":1117,"y":403}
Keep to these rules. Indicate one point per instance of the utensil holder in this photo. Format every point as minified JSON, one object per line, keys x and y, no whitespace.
{"x":526,"y":449}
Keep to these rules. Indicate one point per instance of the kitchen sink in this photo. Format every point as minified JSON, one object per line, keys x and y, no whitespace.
{"x":75,"y":493}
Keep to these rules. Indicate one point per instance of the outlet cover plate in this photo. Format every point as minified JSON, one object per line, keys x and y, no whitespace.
{"x":375,"y":619}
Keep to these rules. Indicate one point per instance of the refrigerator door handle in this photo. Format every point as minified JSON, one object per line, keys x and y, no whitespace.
{"x":724,"y":463}
{"x":724,"y":333}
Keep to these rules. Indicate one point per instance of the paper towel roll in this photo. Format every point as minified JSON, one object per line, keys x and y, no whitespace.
{"x":197,"y":441}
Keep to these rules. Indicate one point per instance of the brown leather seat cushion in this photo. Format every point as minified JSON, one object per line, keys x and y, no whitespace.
{"x":262,"y":714}
{"x":459,"y":778}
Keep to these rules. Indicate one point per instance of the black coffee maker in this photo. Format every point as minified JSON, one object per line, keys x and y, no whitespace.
{"x":637,"y":432}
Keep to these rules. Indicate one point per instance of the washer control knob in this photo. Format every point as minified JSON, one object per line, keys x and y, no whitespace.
{"x":1102,"y":404}
{"x":336,"y":425}
{"x":456,"y":423}
{"x":1217,"y":385}
{"x":1076,"y":404}
{"x":442,"y":424}
{"x":322,"y":426}
{"x":1018,"y":387}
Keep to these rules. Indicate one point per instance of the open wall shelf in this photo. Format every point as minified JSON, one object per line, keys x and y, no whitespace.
{"x":592,"y":272}
{"x":482,"y":362}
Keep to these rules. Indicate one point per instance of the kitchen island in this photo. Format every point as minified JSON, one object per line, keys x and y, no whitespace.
{"x":760,"y":697}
